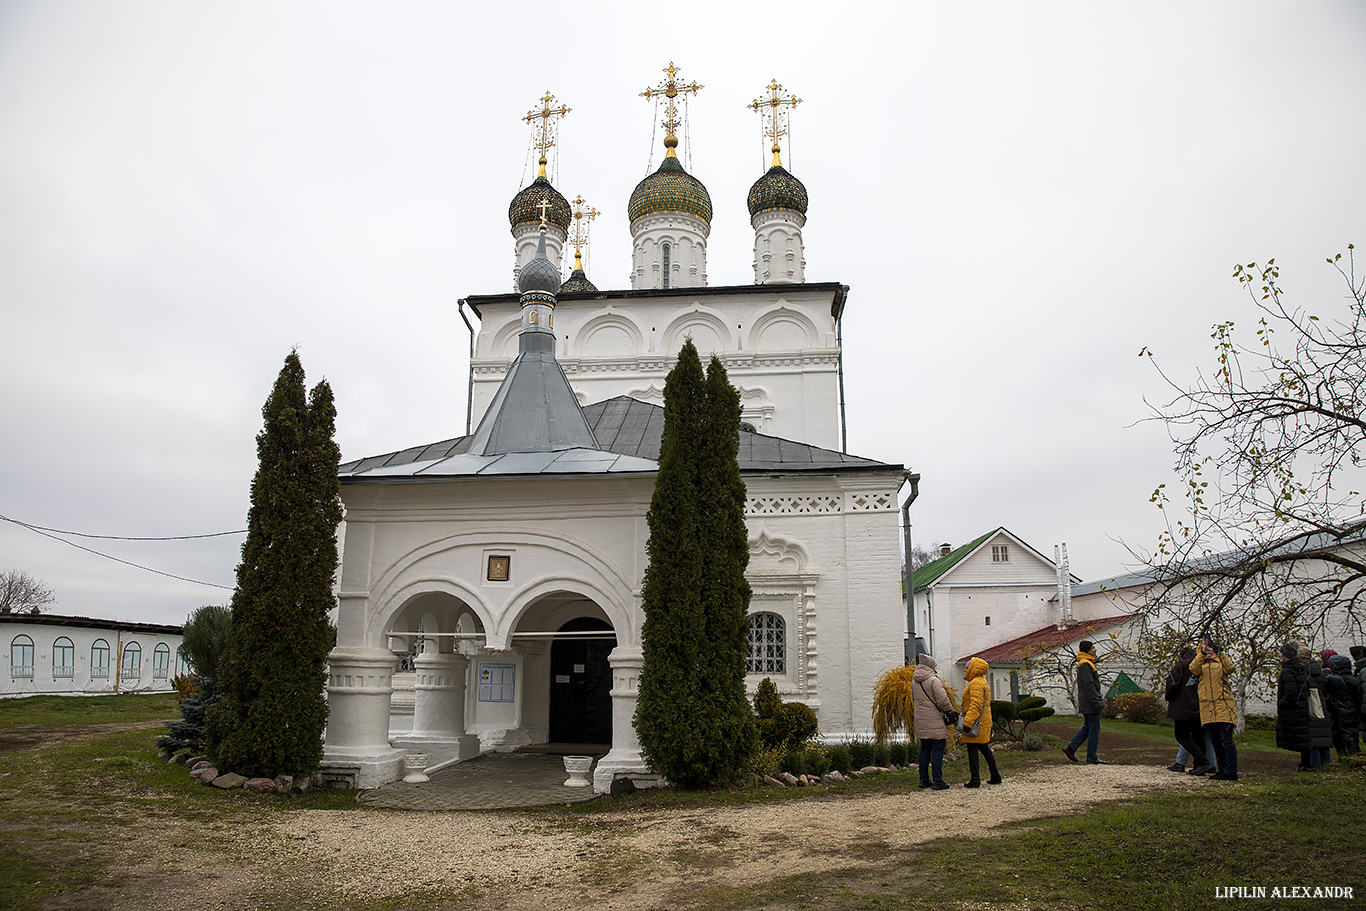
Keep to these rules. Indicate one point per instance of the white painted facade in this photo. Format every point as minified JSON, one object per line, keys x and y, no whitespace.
{"x":50,"y":654}
{"x":1002,"y":590}
{"x":779,"y":256}
{"x":778,"y":343}
{"x":824,"y":559}
{"x":668,"y":250}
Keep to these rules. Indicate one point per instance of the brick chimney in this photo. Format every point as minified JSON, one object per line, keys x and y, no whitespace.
{"x":945,"y":549}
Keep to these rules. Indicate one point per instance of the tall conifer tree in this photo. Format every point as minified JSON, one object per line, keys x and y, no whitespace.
{"x":692,"y":716}
{"x":271,"y":717}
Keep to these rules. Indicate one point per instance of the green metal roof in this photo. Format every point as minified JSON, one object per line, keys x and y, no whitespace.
{"x":930,"y":572}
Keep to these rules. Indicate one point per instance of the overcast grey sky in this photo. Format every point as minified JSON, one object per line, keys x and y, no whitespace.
{"x":1020,"y":197}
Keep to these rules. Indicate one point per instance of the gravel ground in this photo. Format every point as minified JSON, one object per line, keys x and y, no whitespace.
{"x":627,"y":860}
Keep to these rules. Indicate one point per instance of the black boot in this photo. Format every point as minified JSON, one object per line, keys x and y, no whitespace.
{"x":974,"y":783}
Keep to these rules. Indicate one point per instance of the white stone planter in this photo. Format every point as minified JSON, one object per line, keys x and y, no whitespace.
{"x":413,"y":764}
{"x":578,"y":768}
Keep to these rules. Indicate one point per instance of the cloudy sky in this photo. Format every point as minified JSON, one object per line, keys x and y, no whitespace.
{"x":1020,"y":197}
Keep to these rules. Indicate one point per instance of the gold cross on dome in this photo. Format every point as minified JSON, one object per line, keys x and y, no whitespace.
{"x":544,"y":205}
{"x":583,"y":215}
{"x":545,"y":130}
{"x":671,"y":89}
{"x":774,"y":117}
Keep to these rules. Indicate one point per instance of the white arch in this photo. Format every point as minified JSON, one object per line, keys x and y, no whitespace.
{"x":606,"y":320}
{"x":422,"y":570}
{"x":698,"y":315}
{"x":778,"y":319}
{"x":783,"y":554}
{"x":503,"y":343}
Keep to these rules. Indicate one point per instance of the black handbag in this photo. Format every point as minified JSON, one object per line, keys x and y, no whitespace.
{"x":950,"y":717}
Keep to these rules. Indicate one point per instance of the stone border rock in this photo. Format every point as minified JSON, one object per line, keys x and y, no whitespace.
{"x":203,"y":771}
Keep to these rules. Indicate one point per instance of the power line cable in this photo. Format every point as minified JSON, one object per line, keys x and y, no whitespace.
{"x":81,"y":534}
{"x":38,"y":530}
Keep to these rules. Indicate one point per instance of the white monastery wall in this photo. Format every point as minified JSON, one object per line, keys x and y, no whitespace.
{"x":87,"y":674}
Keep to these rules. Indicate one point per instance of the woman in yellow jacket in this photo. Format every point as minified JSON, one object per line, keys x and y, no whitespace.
{"x":977,"y":714}
{"x":1218,"y":710}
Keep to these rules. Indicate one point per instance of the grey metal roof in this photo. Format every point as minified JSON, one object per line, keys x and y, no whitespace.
{"x":627,"y":431}
{"x":534,"y":410}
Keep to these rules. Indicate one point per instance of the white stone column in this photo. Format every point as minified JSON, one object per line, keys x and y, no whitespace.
{"x":356,"y":748}
{"x":624,"y":759}
{"x":439,"y":709}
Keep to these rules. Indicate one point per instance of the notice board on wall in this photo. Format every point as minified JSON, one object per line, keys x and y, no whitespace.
{"x":497,"y":682}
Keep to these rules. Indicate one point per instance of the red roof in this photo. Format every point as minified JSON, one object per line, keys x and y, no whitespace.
{"x":1030,"y":644}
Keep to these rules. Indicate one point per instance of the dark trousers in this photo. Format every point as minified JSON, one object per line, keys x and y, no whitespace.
{"x":1090,"y":732}
{"x":1225,"y":753}
{"x":1191,"y":736}
{"x":976,"y":749}
{"x":931,"y":756}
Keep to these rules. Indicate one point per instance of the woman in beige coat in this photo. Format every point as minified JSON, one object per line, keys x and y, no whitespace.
{"x":931,"y":702}
{"x":1218,"y":710}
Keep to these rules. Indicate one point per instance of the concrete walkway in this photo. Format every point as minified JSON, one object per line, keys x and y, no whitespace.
{"x":488,"y":782}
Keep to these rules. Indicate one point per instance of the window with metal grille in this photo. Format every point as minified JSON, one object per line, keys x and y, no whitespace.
{"x":161,"y":661}
{"x":99,"y":660}
{"x":667,"y":264}
{"x":63,"y":659}
{"x":1000,"y":553}
{"x":21,"y":657}
{"x":767,"y":644}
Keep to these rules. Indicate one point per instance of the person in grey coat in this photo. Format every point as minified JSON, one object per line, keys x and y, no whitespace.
{"x":931,"y":700}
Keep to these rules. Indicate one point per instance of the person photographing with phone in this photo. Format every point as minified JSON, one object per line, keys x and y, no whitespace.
{"x":1218,"y":710}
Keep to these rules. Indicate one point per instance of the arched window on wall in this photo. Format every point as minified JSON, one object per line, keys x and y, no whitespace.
{"x":767,"y":644}
{"x":182,"y":667}
{"x":21,"y":657}
{"x":99,"y":660}
{"x":130,"y":665}
{"x":63,"y":659}
{"x":668,"y":264}
{"x":161,"y":661}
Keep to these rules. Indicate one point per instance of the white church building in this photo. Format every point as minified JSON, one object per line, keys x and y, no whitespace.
{"x":490,"y":593}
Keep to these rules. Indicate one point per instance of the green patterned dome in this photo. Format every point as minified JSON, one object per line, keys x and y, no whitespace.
{"x":577,"y":283}
{"x":670,"y":189}
{"x":777,"y":190}
{"x":525,"y":205}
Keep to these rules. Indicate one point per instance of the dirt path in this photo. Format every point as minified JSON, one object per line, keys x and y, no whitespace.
{"x":628,"y":860}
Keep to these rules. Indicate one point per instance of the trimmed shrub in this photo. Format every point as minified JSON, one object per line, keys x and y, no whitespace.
{"x":765,"y":761}
{"x":816,"y":760}
{"x":882,"y":756}
{"x":794,"y":762}
{"x":840,"y":759}
{"x":862,"y":754}
{"x":1033,"y":743}
{"x":899,"y":753}
{"x":792,"y":723}
{"x":766,"y":699}
{"x":1012,"y":719}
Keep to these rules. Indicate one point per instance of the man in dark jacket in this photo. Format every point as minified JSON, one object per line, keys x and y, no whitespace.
{"x":1343,"y":690}
{"x":1183,"y":708}
{"x":1089,"y":703}
{"x":1320,"y":728}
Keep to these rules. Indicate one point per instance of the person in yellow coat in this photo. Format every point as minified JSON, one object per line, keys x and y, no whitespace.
{"x":1218,"y":710}
{"x":977,"y":717}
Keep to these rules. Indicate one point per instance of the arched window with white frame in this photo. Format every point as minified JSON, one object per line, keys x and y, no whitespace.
{"x":21,"y":657}
{"x":161,"y":661}
{"x":63,"y":659}
{"x":767,"y":644}
{"x":99,"y":660}
{"x":130,"y":664}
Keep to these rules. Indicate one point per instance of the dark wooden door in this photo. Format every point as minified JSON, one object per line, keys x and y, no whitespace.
{"x":581,"y":684}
